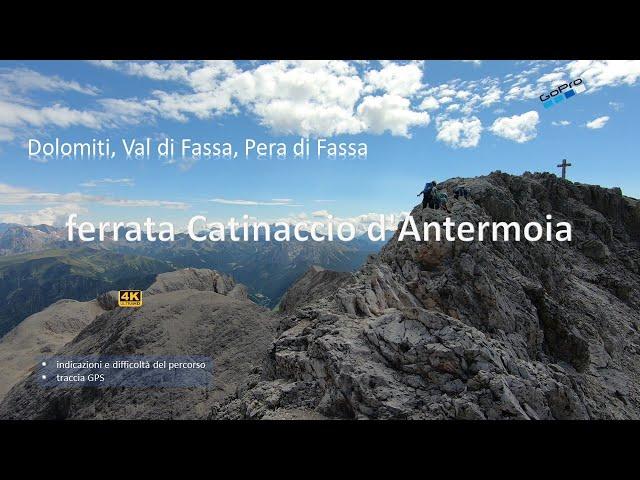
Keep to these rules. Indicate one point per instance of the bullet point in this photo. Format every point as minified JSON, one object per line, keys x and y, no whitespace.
{"x":44,"y":364}
{"x":44,"y":377}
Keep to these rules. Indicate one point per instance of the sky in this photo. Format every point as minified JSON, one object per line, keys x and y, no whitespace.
{"x":420,"y":120}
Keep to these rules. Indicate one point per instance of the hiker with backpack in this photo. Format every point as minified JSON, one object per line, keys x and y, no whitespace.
{"x":432,"y":197}
{"x":427,"y":193}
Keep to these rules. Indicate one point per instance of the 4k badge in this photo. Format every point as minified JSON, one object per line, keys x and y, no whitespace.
{"x":130,"y":298}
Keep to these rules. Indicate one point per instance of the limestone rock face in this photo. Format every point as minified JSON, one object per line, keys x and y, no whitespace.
{"x":186,"y":312}
{"x":192,"y":278}
{"x":41,"y":335}
{"x":474,"y":330}
{"x":314,"y":284}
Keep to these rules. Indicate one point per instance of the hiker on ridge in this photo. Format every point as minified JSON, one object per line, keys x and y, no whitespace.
{"x":428,"y":197}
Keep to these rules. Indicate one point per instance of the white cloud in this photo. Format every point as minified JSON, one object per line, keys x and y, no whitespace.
{"x":307,"y":118}
{"x":390,"y":113}
{"x":475,"y":62}
{"x":429,"y":103}
{"x":6,"y":135}
{"x":127,"y":110}
{"x":284,"y":202}
{"x":309,"y":98}
{"x":461,"y":133}
{"x":305,"y":97}
{"x":491,"y":96}
{"x":117,"y":202}
{"x":561,"y":123}
{"x":125,"y":182}
{"x":56,"y":216}
{"x":396,"y":79}
{"x":519,"y":128}
{"x":600,"y":73}
{"x":16,"y":115}
{"x":597,"y":122}
{"x":11,"y":195}
{"x":23,"y":79}
{"x":617,"y":106}
{"x":555,"y":77}
{"x":518,"y":92}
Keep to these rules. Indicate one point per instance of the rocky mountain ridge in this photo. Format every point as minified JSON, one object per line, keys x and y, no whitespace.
{"x":480,"y":330}
{"x":424,"y":330}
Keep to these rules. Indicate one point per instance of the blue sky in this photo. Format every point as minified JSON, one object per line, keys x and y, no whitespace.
{"x":420,"y":120}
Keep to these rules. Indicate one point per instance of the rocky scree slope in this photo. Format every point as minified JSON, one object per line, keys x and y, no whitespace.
{"x":187,"y":312}
{"x":479,"y":330}
{"x":316,"y":283}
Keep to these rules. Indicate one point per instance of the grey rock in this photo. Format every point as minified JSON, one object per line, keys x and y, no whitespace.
{"x":192,"y":278}
{"x":424,"y":330}
{"x":316,"y":283}
{"x":184,"y":312}
{"x":479,"y":330}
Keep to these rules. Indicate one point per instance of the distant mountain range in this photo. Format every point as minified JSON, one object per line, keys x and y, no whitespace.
{"x":32,"y":281}
{"x":15,"y":239}
{"x":39,"y":266}
{"x":267,"y":268}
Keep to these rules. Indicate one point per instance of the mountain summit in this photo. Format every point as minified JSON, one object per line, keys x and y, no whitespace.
{"x":480,"y":330}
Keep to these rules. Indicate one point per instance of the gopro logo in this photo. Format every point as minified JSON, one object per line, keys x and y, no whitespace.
{"x":562,"y":93}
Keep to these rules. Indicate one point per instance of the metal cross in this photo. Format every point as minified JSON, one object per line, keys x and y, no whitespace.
{"x":564,"y":166}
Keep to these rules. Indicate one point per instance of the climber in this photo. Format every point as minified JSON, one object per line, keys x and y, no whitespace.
{"x":441,"y":199}
{"x":461,"y":191}
{"x":427,"y":192}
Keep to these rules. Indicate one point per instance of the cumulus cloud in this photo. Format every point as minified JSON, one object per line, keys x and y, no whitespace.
{"x":561,"y":123}
{"x":460,"y":133}
{"x":519,"y":128}
{"x":306,"y":98}
{"x":429,"y":103}
{"x":491,"y":96}
{"x":390,"y":113}
{"x":597,"y":122}
{"x":309,"y":98}
{"x":56,"y":216}
{"x":396,"y":79}
{"x":600,"y":73}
